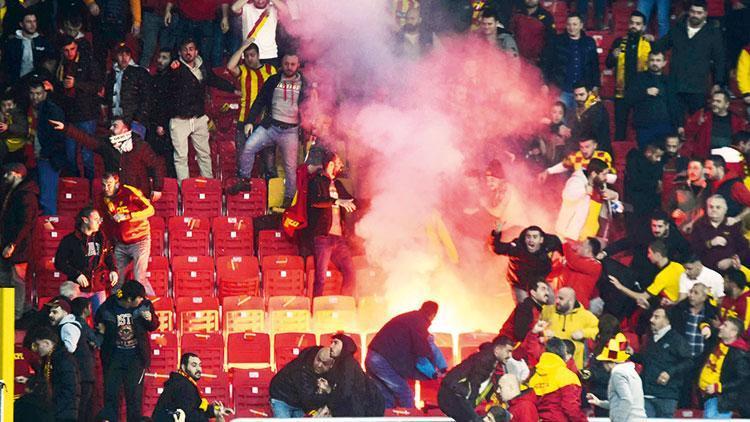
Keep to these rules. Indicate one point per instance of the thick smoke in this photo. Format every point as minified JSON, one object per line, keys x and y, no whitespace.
{"x":414,"y":129}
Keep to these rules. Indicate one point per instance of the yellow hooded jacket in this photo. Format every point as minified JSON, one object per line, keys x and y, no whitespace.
{"x":564,"y":325}
{"x":551,"y":375}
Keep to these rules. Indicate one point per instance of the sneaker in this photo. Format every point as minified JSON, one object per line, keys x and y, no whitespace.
{"x":242,"y":185}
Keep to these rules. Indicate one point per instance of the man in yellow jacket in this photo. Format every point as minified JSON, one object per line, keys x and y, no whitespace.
{"x":567,"y":319}
{"x":558,"y":388}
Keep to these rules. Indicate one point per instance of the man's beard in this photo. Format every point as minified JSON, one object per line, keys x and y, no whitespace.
{"x":694,"y":21}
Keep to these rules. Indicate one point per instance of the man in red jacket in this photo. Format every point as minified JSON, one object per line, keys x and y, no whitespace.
{"x":558,"y":388}
{"x":705,"y":130}
{"x":532,"y":27}
{"x":126,"y":212}
{"x":581,"y":270}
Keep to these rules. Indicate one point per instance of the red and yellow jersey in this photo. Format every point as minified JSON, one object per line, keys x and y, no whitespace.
{"x":400,"y":7}
{"x":136,"y":208}
{"x":576,"y":160}
{"x":251,"y":81}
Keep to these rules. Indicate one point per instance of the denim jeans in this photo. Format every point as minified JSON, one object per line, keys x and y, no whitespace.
{"x":96,"y":298}
{"x":711,"y":410}
{"x":138,"y":254}
{"x":662,"y":13}
{"x":47,"y":179}
{"x":395,"y":389}
{"x":268,"y":155}
{"x":71,"y":151}
{"x":333,"y":248}
{"x":151,"y":27}
{"x":282,"y":410}
{"x":660,"y":408}
{"x":287,"y":140}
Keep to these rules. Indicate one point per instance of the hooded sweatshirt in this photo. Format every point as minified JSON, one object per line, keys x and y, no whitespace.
{"x":354,"y":393}
{"x":27,"y":57}
{"x":564,"y":325}
{"x":558,"y":388}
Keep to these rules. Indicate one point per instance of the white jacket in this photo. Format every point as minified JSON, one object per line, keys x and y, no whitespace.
{"x":575,"y":207}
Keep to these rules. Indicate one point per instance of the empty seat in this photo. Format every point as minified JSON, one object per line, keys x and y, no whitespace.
{"x":250,"y":395}
{"x":48,"y":279}
{"x":164,"y":309}
{"x":201,"y":197}
{"x":237,"y":276}
{"x":158,"y":229}
{"x":333,"y":278}
{"x":210,"y":348}
{"x":287,"y":346}
{"x":247,"y":204}
{"x":214,"y":386}
{"x":167,"y":205}
{"x":334,"y":313}
{"x":48,"y":232}
{"x":283,"y":275}
{"x":197,"y":314}
{"x":275,"y":192}
{"x":275,"y":242}
{"x":153,"y":386}
{"x":73,"y":193}
{"x":232,"y":236}
{"x":164,"y":352}
{"x":188,"y":236}
{"x":469,"y":342}
{"x":193,"y":276}
{"x":158,"y":274}
{"x":289,"y":313}
{"x":370,"y":313}
{"x":248,"y":349}
{"x":243,"y":314}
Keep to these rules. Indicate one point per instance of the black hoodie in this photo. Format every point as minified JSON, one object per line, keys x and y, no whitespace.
{"x":18,"y":212}
{"x":354,"y":393}
{"x":180,"y":393}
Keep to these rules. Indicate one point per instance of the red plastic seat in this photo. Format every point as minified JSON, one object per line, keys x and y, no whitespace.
{"x":167,"y":205}
{"x":201,"y":197}
{"x":164,"y":309}
{"x":469,"y":342}
{"x":283,"y":275}
{"x":73,"y":193}
{"x":242,"y":314}
{"x":245,"y":349}
{"x":48,"y":279}
{"x":158,"y":228}
{"x":164,"y":352}
{"x":287,"y":346}
{"x":250,"y":395}
{"x":214,"y":386}
{"x":153,"y":386}
{"x":289,"y":314}
{"x":188,"y":236}
{"x":158,"y":274}
{"x":237,"y":275}
{"x":333,"y":278}
{"x":193,"y":276}
{"x":275,"y":242}
{"x":209,"y":347}
{"x":247,"y":204}
{"x":232,"y":236}
{"x":197,"y":314}
{"x":48,"y":232}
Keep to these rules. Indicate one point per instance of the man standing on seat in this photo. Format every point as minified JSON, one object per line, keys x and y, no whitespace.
{"x":403,"y":350}
{"x":328,"y":202}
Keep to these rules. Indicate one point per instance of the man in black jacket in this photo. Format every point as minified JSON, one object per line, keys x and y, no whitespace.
{"x":697,"y":52}
{"x":190,"y":76}
{"x":125,"y":153}
{"x":728,"y":360}
{"x":78,"y":83}
{"x":128,"y":89}
{"x":125,"y":320}
{"x":628,"y":56}
{"x":280,"y":99}
{"x":591,"y":118}
{"x":50,"y":158}
{"x":643,"y":172}
{"x":86,"y":257}
{"x":354,"y":393}
{"x":470,"y":382}
{"x":160,"y":111}
{"x":402,"y":350}
{"x":181,"y":392}
{"x":654,"y":102}
{"x":302,"y":386}
{"x":25,"y":50}
{"x":526,"y":313}
{"x":327,"y":204}
{"x":666,"y":359}
{"x":18,"y":212}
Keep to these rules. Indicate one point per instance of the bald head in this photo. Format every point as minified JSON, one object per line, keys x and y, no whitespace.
{"x":323,"y":361}
{"x":566,"y":299}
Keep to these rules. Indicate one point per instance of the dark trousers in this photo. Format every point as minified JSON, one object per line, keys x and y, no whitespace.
{"x":688,"y":103}
{"x":333,"y":248}
{"x":85,"y":409}
{"x":106,"y":36}
{"x":622,"y":113}
{"x":126,"y":374}
{"x":650,"y":134}
{"x":457,"y":407}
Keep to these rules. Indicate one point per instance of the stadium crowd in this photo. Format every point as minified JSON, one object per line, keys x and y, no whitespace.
{"x":635,"y":304}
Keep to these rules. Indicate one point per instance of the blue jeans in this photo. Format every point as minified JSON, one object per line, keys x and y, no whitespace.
{"x":282,"y":410}
{"x":652,"y":134}
{"x":151,"y":27}
{"x":333,"y":248}
{"x":71,"y":148}
{"x":287,"y":140}
{"x":395,"y":389}
{"x":138,"y":254}
{"x":47,"y":179}
{"x":711,"y":410}
{"x":660,"y":408}
{"x":662,"y":13}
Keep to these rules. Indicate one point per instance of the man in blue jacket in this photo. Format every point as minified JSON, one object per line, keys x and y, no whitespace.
{"x":49,"y":144}
{"x":403,"y":350}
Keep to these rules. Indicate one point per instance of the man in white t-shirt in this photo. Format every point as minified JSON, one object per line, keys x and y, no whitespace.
{"x":259,"y":20}
{"x":696,"y":272}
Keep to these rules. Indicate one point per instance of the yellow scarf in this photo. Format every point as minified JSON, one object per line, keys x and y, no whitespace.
{"x":644,"y":47}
